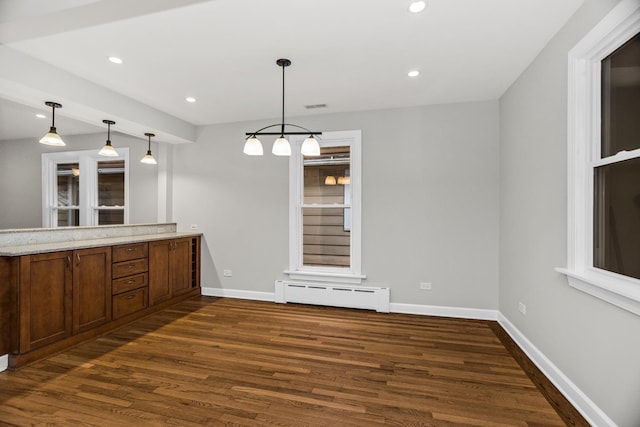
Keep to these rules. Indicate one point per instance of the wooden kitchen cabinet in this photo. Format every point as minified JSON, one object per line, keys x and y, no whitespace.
{"x":46,"y":285}
{"x":91,"y":288}
{"x":50,"y":301}
{"x":170,"y":269}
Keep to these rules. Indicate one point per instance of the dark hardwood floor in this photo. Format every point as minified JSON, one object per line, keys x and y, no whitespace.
{"x":226,"y":362}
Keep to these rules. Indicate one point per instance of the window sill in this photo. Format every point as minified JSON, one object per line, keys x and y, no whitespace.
{"x":615,"y":289}
{"x":325,"y":276}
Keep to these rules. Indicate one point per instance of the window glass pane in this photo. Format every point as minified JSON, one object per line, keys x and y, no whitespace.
{"x":68,"y":179}
{"x":111,"y":183}
{"x":621,"y":99}
{"x":327,"y":176}
{"x":617,"y":218}
{"x":110,"y":217}
{"x":326,"y":241}
{"x":68,"y":217}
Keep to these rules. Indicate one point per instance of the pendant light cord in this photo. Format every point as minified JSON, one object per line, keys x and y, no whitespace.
{"x":282,"y":129}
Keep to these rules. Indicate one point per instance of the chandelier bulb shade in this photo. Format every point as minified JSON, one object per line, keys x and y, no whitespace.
{"x":253,"y":147}
{"x":330,"y":180}
{"x":52,"y":137}
{"x":281,"y":146}
{"x":108,"y":149}
{"x":148,"y":158}
{"x":310,"y":147}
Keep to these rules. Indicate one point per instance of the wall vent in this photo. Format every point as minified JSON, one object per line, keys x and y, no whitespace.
{"x":313,"y":106}
{"x":335,"y":295}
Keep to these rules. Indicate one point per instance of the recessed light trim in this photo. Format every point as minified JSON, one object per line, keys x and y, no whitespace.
{"x":41,"y":116}
{"x":417,"y":6}
{"x":190,"y":99}
{"x":115,"y":60}
{"x":413,"y":73}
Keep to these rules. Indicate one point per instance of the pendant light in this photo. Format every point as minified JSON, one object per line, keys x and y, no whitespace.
{"x":108,"y":149}
{"x":52,"y":137}
{"x":148,"y":158}
{"x":281,"y":146}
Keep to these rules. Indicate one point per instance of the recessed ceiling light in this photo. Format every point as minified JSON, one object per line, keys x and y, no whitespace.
{"x":115,"y":60}
{"x":41,"y":116}
{"x":413,"y":73}
{"x":417,"y":6}
{"x":190,"y":99}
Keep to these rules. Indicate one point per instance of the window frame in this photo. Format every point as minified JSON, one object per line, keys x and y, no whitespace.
{"x":584,"y":143}
{"x":297,"y":270}
{"x":88,"y":163}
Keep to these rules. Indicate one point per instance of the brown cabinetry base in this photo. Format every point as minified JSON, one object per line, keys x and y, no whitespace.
{"x":19,"y":360}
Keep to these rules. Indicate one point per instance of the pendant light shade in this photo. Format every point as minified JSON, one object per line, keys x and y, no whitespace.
{"x":330,"y":180}
{"x":52,"y":137}
{"x":108,"y":149}
{"x":253,"y":147}
{"x":148,"y":158}
{"x":281,"y":147}
{"x":310,"y":147}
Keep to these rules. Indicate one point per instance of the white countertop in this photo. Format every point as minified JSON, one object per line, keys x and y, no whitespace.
{"x":38,"y":248}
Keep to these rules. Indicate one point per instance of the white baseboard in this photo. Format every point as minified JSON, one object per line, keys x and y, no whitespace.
{"x":589,"y":410}
{"x":240,"y":294}
{"x":4,"y":362}
{"x":435,"y":310}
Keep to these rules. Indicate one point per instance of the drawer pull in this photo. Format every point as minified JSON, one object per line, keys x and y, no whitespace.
{"x":131,"y":249}
{"x":131,"y":296}
{"x":130,"y":282}
{"x":131,"y":265}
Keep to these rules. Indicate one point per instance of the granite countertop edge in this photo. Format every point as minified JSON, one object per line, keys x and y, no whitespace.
{"x":38,"y":248}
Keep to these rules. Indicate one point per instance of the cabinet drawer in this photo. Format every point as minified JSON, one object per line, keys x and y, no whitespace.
{"x":130,"y":302}
{"x":130,"y":251}
{"x":129,"y":283}
{"x":128,"y":268}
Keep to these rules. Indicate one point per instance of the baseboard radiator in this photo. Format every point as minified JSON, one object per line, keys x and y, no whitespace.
{"x":336,"y":295}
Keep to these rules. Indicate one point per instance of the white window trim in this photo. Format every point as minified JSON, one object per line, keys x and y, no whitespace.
{"x":622,"y":23}
{"x":296,"y":270}
{"x":88,"y":162}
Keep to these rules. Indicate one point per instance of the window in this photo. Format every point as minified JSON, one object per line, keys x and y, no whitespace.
{"x":325,"y":210}
{"x":83,"y":188}
{"x":604,"y":160}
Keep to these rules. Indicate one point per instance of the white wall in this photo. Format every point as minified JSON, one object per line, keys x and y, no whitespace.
{"x":430,"y":202}
{"x":594,"y":343}
{"x":21,"y":178}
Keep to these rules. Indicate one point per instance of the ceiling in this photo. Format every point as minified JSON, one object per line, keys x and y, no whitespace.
{"x":348,"y":54}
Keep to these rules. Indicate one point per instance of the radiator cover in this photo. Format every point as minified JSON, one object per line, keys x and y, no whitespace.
{"x":335,"y":295}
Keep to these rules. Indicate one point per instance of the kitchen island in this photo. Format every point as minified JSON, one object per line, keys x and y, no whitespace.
{"x":61,"y":286}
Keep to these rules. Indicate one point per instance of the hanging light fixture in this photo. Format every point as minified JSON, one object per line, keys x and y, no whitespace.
{"x":52,"y":137}
{"x":281,"y":147}
{"x":108,"y":149}
{"x":148,"y":158}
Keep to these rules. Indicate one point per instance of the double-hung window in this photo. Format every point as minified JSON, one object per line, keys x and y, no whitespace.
{"x":604,"y":160}
{"x":325,"y":225}
{"x":84,"y":188}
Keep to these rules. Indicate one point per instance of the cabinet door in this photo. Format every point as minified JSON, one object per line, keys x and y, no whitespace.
{"x":45,"y":299}
{"x":180,"y":267}
{"x":159,"y":285}
{"x":91,"y":288}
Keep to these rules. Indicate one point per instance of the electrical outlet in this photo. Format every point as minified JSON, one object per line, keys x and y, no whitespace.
{"x":522,"y":308}
{"x":194,"y":226}
{"x":425,"y":286}
{"x":227,"y":273}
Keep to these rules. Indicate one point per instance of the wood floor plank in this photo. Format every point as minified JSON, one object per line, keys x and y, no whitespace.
{"x":225,"y":362}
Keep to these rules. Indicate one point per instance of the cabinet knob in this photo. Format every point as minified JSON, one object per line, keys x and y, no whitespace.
{"x":131,"y":265}
{"x":131,"y":296}
{"x":130,"y":249}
